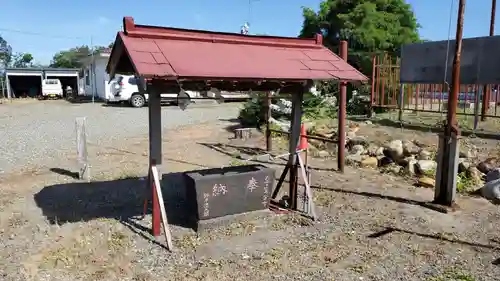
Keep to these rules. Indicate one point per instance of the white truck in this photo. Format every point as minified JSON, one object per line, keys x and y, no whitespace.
{"x":52,"y":88}
{"x":123,"y":88}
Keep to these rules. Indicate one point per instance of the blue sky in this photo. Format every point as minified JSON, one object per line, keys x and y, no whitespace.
{"x":71,"y":23}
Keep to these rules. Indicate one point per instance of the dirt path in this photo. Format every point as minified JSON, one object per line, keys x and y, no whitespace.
{"x":372,"y":226}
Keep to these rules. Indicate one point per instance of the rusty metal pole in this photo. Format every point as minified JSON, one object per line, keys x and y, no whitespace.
{"x":487,"y":89}
{"x":448,"y":145}
{"x":269,"y":142}
{"x":342,"y":112}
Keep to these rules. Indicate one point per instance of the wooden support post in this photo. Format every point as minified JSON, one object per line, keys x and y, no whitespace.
{"x":155,"y":153}
{"x":293,"y":143}
{"x":487,"y":88}
{"x":401,"y":103}
{"x":342,"y":113}
{"x":269,"y":141}
{"x":280,"y":182}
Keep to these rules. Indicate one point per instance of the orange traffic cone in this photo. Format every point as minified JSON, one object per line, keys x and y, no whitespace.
{"x":303,"y":144}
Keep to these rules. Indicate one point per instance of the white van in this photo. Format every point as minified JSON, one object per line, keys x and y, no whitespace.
{"x":52,"y":88}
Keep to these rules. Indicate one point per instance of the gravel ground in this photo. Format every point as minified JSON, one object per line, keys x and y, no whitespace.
{"x":35,"y":133}
{"x":371,"y":226}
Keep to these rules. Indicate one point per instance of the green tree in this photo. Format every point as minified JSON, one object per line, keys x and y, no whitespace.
{"x":370,"y":27}
{"x":74,"y":57}
{"x":5,"y":53}
{"x":21,"y":60}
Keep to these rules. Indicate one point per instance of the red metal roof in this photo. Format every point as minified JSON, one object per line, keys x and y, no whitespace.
{"x":173,"y":53}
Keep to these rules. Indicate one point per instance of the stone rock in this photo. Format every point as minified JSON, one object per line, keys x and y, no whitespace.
{"x":357,"y":140}
{"x":369,"y":162}
{"x":469,"y":153}
{"x":463,"y":165}
{"x":380,"y":151}
{"x":426,"y":182}
{"x":372,"y":149}
{"x":353,"y":127}
{"x":323,"y":153}
{"x":395,"y":169}
{"x":424,"y":155}
{"x":353,"y":159}
{"x":368,"y":122}
{"x":491,"y":191}
{"x":493,"y":175}
{"x":395,"y":149}
{"x":409,"y":148}
{"x":404,"y":162}
{"x":411,"y":167}
{"x":350,"y":134}
{"x":425,"y":166}
{"x":487,"y":165}
{"x":357,"y":149}
{"x":420,"y":144}
{"x":474,"y":174}
{"x":384,"y":161}
{"x":317,"y":143}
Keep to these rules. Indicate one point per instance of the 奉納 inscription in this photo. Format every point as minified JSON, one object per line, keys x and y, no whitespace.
{"x":206,"y":206}
{"x":219,"y":189}
{"x":252,"y":184}
{"x":265,"y":196}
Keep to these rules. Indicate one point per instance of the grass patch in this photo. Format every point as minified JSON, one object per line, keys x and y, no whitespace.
{"x":465,"y":183}
{"x":430,"y":173}
{"x":119,"y":175}
{"x":96,"y":254}
{"x":323,"y":197}
{"x":453,"y":276}
{"x":236,"y":162}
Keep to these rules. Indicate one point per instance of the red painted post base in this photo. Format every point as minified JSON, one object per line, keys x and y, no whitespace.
{"x":156,"y":229}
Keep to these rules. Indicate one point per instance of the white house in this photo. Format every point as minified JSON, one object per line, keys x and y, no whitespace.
{"x":95,"y":80}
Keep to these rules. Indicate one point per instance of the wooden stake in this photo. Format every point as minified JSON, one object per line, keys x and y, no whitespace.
{"x":311,"y":210}
{"x":156,"y":180}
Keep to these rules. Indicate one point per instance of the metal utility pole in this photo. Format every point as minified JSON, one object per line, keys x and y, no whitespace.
{"x":342,"y":113}
{"x":448,"y":143}
{"x":92,"y":68}
{"x":487,"y":89}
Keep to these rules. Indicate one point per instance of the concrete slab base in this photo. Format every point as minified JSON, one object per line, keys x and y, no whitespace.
{"x":442,"y":208}
{"x":204,"y":225}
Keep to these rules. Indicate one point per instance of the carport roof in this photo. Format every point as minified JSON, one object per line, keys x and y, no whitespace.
{"x":172,"y":53}
{"x":37,"y":69}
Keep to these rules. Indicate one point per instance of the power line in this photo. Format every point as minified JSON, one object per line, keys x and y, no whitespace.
{"x":38,"y":34}
{"x":46,"y":35}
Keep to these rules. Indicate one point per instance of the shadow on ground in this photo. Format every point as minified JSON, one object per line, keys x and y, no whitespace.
{"x":117,"y":199}
{"x":235,"y":124}
{"x":83,"y":99}
{"x":258,"y":155}
{"x":425,"y":204}
{"x":64,"y":172}
{"x":389,"y":230}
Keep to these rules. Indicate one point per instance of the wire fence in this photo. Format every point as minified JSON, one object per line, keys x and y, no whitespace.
{"x":427,"y":104}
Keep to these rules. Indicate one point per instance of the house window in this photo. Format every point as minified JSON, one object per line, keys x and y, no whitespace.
{"x":87,"y":77}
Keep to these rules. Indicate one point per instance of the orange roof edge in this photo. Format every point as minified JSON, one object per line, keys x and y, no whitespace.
{"x":158,"y":32}
{"x":173,"y":53}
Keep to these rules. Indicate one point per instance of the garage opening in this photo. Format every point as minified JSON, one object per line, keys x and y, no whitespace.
{"x":66,"y":81}
{"x":22,"y":86}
